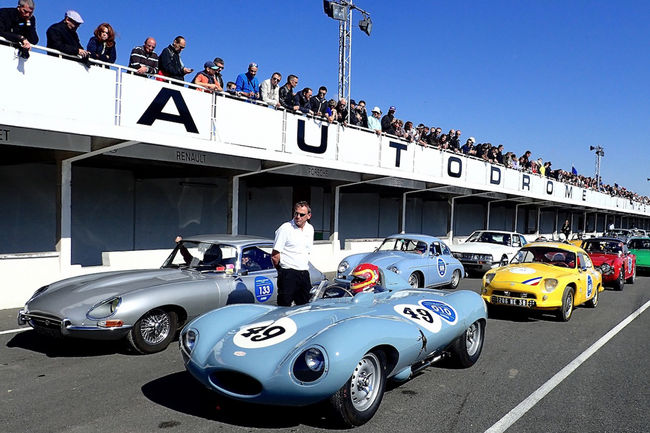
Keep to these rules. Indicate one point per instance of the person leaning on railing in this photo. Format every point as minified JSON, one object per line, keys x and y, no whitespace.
{"x":18,"y":25}
{"x":101,"y":45}
{"x":144,"y":59}
{"x":63,"y":36}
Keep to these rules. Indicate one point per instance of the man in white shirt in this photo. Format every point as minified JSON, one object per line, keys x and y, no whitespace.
{"x":270,"y":89}
{"x":293,"y":243}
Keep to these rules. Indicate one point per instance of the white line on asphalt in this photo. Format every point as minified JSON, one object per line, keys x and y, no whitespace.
{"x":15,"y":330}
{"x":511,"y":417}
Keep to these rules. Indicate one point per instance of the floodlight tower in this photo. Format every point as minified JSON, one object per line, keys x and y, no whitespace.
{"x":600,"y":152}
{"x":341,"y":10}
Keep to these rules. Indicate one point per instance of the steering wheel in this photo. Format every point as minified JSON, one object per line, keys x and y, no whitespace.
{"x":336,"y":292}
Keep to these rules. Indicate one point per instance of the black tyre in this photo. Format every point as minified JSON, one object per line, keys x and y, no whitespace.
{"x":467,"y":348}
{"x":566,"y":310}
{"x":620,"y":281}
{"x":415,"y":280}
{"x":358,"y":400}
{"x":153,"y":332}
{"x":593,"y":302}
{"x":455,"y":279}
{"x":632,"y":279}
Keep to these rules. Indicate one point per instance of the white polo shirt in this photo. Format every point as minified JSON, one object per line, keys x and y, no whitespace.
{"x":294,"y":245}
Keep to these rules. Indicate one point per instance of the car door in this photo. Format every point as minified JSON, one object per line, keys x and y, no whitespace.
{"x":441,"y":268}
{"x":586,"y":281}
{"x":260,"y":278}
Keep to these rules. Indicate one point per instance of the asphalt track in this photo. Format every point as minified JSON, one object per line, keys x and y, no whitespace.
{"x":76,"y":386}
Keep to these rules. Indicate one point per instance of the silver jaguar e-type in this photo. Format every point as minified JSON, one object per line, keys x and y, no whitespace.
{"x":148,"y":306}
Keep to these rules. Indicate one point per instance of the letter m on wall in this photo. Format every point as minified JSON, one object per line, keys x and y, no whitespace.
{"x":568,"y":191}
{"x":154,"y":111}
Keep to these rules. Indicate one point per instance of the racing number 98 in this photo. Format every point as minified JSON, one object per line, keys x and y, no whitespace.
{"x":419,"y":314}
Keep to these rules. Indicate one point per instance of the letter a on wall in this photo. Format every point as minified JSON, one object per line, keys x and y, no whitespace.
{"x":154,"y":111}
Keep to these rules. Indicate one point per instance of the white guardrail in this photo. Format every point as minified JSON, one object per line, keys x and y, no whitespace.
{"x":49,"y":93}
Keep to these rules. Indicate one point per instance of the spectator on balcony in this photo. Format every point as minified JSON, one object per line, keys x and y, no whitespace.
{"x":270,"y":90}
{"x":443,"y":143}
{"x":454,"y":140}
{"x":524,"y":163}
{"x":387,"y":120}
{"x":331,"y":113}
{"x":409,"y":131}
{"x":468,"y":147}
{"x":219,"y":63}
{"x":548,"y":171}
{"x":206,"y":78}
{"x":318,"y":102}
{"x":358,"y":116}
{"x":361,"y":107}
{"x":231,"y":88}
{"x":302,"y":101}
{"x":170,"y":63}
{"x":63,"y":36}
{"x":421,"y":134}
{"x":286,"y":93}
{"x":101,"y":46}
{"x":433,"y":139}
{"x":247,"y":84}
{"x":18,"y":25}
{"x":500,"y":154}
{"x":397,"y":129}
{"x":373,"y":121}
{"x":342,"y":111}
{"x":144,"y":59}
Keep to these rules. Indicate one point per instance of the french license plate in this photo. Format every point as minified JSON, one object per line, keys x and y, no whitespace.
{"x":510,"y":301}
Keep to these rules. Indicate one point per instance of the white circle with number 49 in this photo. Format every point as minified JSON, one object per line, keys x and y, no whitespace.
{"x":420,"y":315}
{"x":264,"y":334}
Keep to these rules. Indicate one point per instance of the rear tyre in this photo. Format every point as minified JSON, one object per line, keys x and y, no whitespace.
{"x":455,"y":279}
{"x":415,"y":280}
{"x":359,"y":398}
{"x":620,"y":281}
{"x":566,"y":310}
{"x":466,"y":349}
{"x":593,"y":302}
{"x":153,"y":332}
{"x":632,"y":279}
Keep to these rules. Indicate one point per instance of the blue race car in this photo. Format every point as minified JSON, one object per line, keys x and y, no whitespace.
{"x":422,"y":260}
{"x":297,"y":356}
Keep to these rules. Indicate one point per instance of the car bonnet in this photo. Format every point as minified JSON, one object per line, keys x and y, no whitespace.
{"x":529,"y":273}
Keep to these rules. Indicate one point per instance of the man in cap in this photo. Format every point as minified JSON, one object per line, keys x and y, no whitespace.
{"x":373,"y":121}
{"x":63,"y":36}
{"x":18,"y":25}
{"x":247,"y":84}
{"x":170,"y":63}
{"x":144,"y":59}
{"x":206,"y":78}
{"x":387,"y":120}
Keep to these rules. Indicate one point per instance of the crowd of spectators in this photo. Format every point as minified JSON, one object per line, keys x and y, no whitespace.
{"x":18,"y":26}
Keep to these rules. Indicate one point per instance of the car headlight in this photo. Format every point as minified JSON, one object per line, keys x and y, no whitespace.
{"x":485,"y":257}
{"x":605,"y":268}
{"x":189,"y":340}
{"x":550,"y":284}
{"x":310,"y":365}
{"x":457,"y":255}
{"x":394,"y":268}
{"x":39,"y":291}
{"x":489,"y":277}
{"x":104,"y":309}
{"x":343,"y":266}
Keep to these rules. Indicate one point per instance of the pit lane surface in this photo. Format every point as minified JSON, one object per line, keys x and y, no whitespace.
{"x":77,"y":386}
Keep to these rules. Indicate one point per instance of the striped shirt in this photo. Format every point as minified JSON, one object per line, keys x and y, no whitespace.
{"x":139,"y":57}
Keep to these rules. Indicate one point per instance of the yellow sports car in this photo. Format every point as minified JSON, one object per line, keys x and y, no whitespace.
{"x":545,"y":276}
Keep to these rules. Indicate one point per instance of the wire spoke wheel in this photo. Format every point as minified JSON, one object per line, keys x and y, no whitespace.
{"x":155,"y":327}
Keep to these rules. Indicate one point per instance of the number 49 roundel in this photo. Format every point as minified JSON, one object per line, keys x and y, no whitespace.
{"x":264,"y":334}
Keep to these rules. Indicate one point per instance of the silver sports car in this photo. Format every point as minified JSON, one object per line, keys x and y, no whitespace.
{"x":148,"y":306}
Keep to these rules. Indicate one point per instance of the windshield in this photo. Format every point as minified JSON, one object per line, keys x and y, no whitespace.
{"x":403,"y":244}
{"x":639,"y":244}
{"x":548,"y":255}
{"x":607,"y":247}
{"x":490,"y":238}
{"x":203,"y":256}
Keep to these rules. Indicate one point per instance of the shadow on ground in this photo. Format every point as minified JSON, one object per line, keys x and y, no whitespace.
{"x":58,"y":347}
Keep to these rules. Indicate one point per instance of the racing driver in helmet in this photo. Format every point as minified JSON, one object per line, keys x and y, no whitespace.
{"x":366,"y":278}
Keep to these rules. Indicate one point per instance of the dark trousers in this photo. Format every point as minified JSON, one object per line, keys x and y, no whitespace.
{"x":293,"y":286}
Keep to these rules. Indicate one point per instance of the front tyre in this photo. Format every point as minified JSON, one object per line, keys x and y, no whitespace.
{"x":356,"y":402}
{"x":467,"y":348}
{"x":153,"y":332}
{"x":566,"y":310}
{"x":455,"y":279}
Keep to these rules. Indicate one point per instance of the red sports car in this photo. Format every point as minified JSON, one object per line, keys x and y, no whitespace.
{"x":614,"y":260}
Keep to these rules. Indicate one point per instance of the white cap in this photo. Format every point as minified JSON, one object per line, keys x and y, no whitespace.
{"x":74,"y":16}
{"x":376,"y":110}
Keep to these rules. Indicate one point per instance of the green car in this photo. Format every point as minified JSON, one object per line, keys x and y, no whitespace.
{"x":640,"y":247}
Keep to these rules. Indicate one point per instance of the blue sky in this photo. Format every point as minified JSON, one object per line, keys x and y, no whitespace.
{"x":553,"y":77}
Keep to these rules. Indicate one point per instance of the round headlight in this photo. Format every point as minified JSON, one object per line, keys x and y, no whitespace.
{"x":343,"y":266}
{"x":605,"y":267}
{"x":550,"y":284}
{"x":310,"y":365}
{"x":104,"y":309}
{"x":394,"y":268}
{"x":489,"y":277}
{"x":189,"y":340}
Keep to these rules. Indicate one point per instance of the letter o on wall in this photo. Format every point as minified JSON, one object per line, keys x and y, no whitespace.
{"x":454,"y":167}
{"x":549,"y":187}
